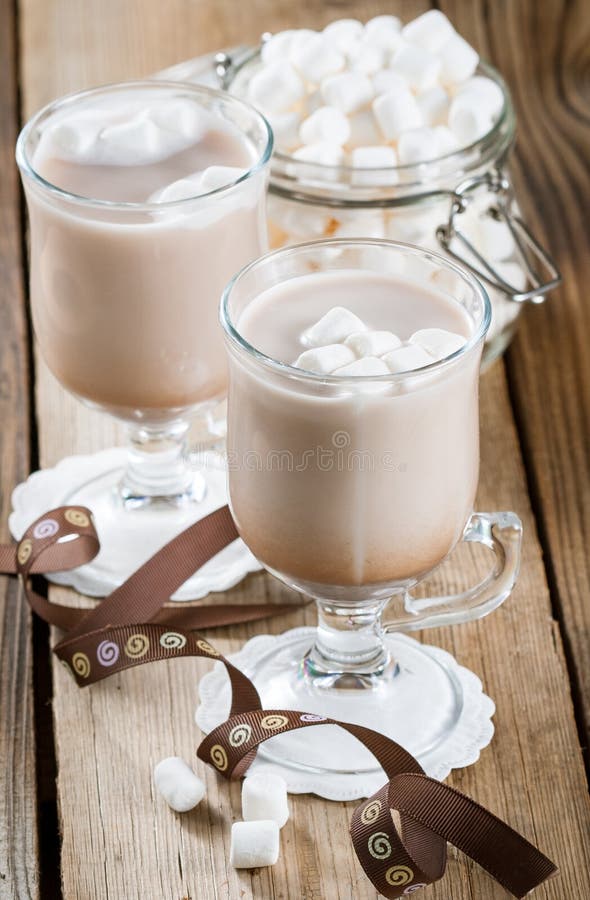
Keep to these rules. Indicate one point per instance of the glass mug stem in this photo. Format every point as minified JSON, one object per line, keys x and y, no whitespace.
{"x":350,"y":650}
{"x":158,"y":468}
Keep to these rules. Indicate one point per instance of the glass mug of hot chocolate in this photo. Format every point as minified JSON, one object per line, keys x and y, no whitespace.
{"x":353,"y":456}
{"x":144,"y":198}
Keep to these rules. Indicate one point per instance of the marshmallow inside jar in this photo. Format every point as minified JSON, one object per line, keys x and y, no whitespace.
{"x":371,"y":141}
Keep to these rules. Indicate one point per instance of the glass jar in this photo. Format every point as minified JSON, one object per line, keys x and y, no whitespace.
{"x":442,"y":202}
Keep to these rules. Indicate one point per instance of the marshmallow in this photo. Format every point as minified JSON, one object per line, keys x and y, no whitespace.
{"x":419,"y":67}
{"x":285,"y":128}
{"x":343,"y":33}
{"x":369,"y":365}
{"x":429,"y":31}
{"x":254,"y":844}
{"x":178,"y":784}
{"x":73,"y":140}
{"x":396,"y":111}
{"x":325,"y":124}
{"x":384,"y":32}
{"x":434,"y":105}
{"x":317,"y":57}
{"x":373,"y":159}
{"x":265,"y":797}
{"x":298,"y":219}
{"x":323,"y":153}
{"x":416,"y":146}
{"x":275,"y":87}
{"x":182,"y":117}
{"x":445,"y":140}
{"x":366,"y":58}
{"x":215,"y":177}
{"x":314,"y":101}
{"x":372,"y":343}
{"x":438,"y":342}
{"x":277,"y":47}
{"x":406,"y":358}
{"x":134,"y":142}
{"x":363,"y":129}
{"x":515,"y":276}
{"x":469,"y":122}
{"x":387,"y":79}
{"x":336,"y":325}
{"x":324,"y":360}
{"x":191,"y":186}
{"x":348,"y":92}
{"x":458,"y":60}
{"x":494,"y":240}
{"x":484,"y":91}
{"x":365,"y":223}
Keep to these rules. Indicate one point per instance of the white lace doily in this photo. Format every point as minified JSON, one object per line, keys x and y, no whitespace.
{"x":141,"y":532}
{"x":470,"y":733}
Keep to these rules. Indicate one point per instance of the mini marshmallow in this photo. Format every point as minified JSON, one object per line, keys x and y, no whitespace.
{"x":336,"y":325}
{"x":348,"y":92}
{"x":372,"y":343}
{"x":317,"y":57}
{"x":254,"y":844}
{"x":387,"y":79}
{"x":277,"y":47}
{"x":430,"y":31}
{"x":215,"y":177}
{"x":494,"y":240}
{"x":366,"y":223}
{"x":458,"y":60}
{"x":369,"y":365}
{"x":182,"y":117}
{"x":438,"y":342}
{"x":138,"y":138}
{"x":191,"y":186}
{"x":264,"y":797}
{"x":178,"y":784}
{"x":469,"y":122}
{"x":419,"y":67}
{"x":366,"y":58}
{"x":323,"y":153}
{"x":515,"y":276}
{"x":407,"y":358}
{"x":312,"y":102}
{"x":285,"y":128}
{"x":376,"y":157}
{"x":384,"y":32}
{"x":326,"y":124}
{"x":275,"y":87}
{"x":324,"y":360}
{"x":434,"y":105}
{"x":396,"y":111}
{"x":74,"y":140}
{"x":416,"y":146}
{"x":343,"y":33}
{"x":363,"y":129}
{"x":445,"y":140}
{"x":484,"y":91}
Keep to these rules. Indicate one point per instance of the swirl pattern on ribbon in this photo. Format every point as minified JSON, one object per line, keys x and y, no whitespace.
{"x":107,"y":653}
{"x":81,"y":664}
{"x":371,"y":812}
{"x":45,"y":528}
{"x":25,"y":548}
{"x":311,"y":717}
{"x":206,"y":647}
{"x":137,"y":646}
{"x":77,"y":517}
{"x":398,"y":875}
{"x":172,"y":640}
{"x":414,"y":887}
{"x":378,"y":845}
{"x":219,"y":757}
{"x":274,"y":722}
{"x":240,"y":734}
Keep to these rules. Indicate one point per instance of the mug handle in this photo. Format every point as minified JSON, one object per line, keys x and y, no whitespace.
{"x":500,"y":532}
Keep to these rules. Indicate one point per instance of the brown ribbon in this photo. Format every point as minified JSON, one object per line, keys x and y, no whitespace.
{"x":400,"y":853}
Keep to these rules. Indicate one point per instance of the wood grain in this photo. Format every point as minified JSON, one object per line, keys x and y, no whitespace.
{"x":18,"y":803}
{"x":119,"y":841}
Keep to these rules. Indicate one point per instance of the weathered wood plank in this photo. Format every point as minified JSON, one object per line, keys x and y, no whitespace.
{"x":18,"y":801}
{"x":118,"y":840}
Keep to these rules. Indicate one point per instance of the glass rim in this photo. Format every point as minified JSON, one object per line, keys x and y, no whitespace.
{"x":487,"y":139}
{"x":281,"y":368}
{"x":27,"y":168}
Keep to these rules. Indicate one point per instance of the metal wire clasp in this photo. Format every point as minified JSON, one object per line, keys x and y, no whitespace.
{"x":530,"y":253}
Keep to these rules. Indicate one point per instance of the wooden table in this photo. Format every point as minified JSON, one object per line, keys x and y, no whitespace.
{"x":98,"y":832}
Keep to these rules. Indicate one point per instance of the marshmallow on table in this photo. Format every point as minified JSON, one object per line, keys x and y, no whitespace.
{"x":324,"y":360}
{"x":372,"y":343}
{"x":178,"y":784}
{"x":275,"y":87}
{"x":265,"y":797}
{"x":336,"y":325}
{"x":407,"y":358}
{"x":458,"y":60}
{"x":367,"y":366}
{"x":434,"y":105}
{"x":325,"y":124}
{"x":416,"y":146}
{"x":348,"y":91}
{"x":429,"y":31}
{"x":438,"y":342}
{"x":316,"y":57}
{"x":343,"y":33}
{"x":254,"y":844}
{"x":396,"y":111}
{"x":419,"y":67}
